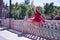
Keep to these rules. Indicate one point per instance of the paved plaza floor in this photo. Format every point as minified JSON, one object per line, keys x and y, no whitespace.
{"x":7,"y":35}
{"x":15,"y":35}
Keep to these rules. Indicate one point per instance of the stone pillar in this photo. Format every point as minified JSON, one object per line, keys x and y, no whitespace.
{"x":10,"y":14}
{"x":1,"y":4}
{"x":9,"y":24}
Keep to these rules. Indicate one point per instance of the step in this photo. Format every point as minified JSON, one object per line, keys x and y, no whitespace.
{"x":14,"y":31}
{"x":3,"y":28}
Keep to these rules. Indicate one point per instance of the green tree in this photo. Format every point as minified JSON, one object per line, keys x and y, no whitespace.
{"x":21,"y":10}
{"x":42,"y":10}
{"x":51,"y":10}
{"x":46,"y":7}
{"x":29,"y":11}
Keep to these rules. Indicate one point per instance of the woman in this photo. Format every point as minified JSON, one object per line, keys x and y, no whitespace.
{"x":38,"y":17}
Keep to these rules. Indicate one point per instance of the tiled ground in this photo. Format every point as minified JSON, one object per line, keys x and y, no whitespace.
{"x":15,"y":35}
{"x":7,"y":35}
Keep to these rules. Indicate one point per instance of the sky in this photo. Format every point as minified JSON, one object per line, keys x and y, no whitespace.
{"x":36,"y":2}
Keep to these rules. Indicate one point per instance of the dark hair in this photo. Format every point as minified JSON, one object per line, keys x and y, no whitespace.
{"x":38,"y":12}
{"x":37,"y":7}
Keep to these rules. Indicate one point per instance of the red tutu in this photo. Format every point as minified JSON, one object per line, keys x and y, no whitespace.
{"x":37,"y":18}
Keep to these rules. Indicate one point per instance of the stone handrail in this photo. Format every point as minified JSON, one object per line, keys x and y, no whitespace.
{"x":49,"y":30}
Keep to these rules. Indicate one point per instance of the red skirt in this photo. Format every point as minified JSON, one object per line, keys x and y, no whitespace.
{"x":41,"y":21}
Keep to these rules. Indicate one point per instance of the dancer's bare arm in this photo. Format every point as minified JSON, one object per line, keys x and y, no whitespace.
{"x":33,"y":6}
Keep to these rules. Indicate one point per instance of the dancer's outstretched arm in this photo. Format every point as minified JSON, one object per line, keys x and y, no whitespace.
{"x":34,"y":8}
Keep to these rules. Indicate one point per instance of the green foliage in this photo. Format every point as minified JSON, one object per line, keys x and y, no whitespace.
{"x":42,"y":10}
{"x":46,"y":9}
{"x":29,"y":11}
{"x":21,"y":10}
{"x":51,"y":10}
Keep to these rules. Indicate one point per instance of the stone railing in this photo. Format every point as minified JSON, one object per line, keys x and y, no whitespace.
{"x":49,"y":30}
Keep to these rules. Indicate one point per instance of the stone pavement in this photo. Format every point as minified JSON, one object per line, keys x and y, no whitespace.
{"x":3,"y":28}
{"x":7,"y":35}
{"x":15,"y":35}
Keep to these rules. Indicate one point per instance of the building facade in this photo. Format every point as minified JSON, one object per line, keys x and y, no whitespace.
{"x":4,"y":11}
